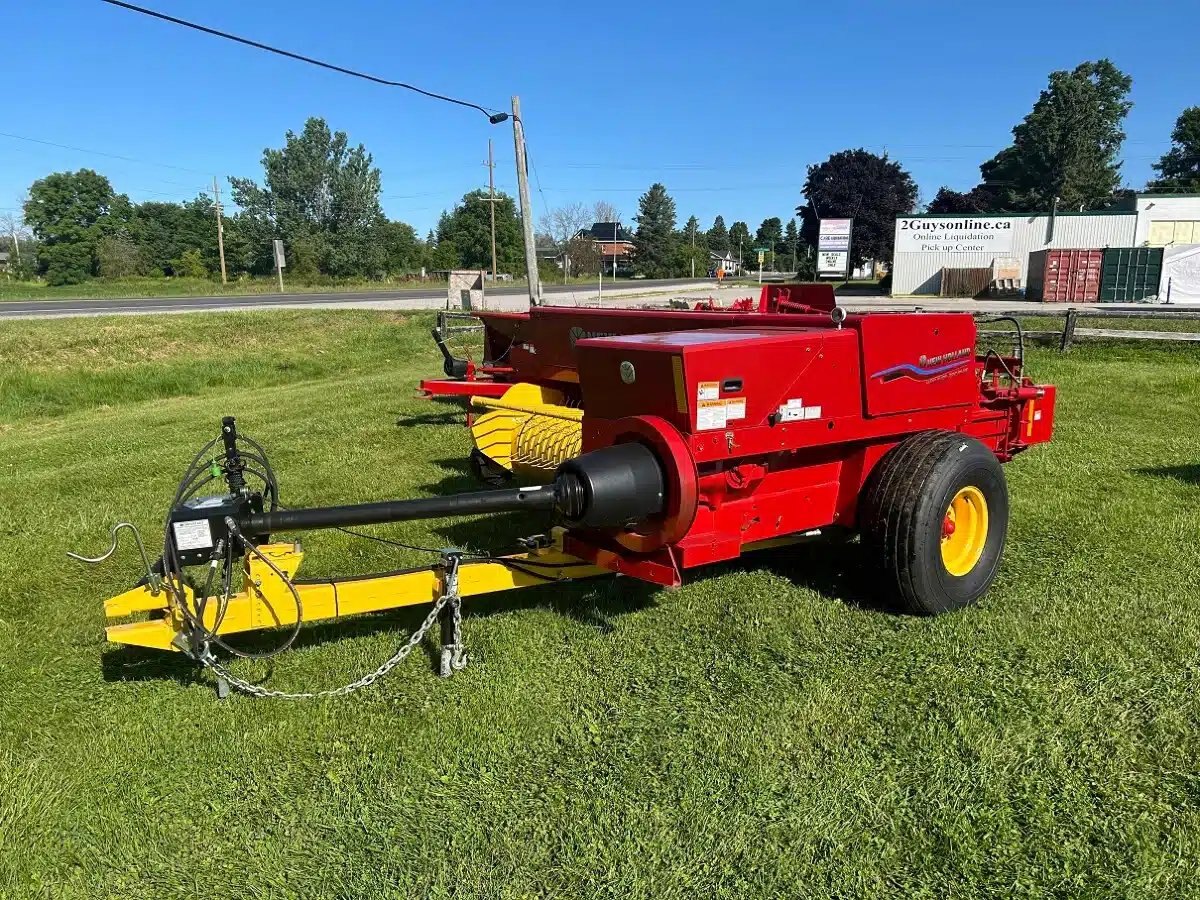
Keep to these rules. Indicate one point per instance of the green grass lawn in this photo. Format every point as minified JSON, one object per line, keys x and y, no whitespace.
{"x":763,"y":732}
{"x":123,"y":288}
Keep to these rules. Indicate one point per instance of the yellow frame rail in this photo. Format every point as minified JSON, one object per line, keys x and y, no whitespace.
{"x":267,"y":602}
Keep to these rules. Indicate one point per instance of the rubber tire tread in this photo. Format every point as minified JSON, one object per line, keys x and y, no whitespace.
{"x":890,"y":530}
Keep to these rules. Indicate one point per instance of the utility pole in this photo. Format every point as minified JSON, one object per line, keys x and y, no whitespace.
{"x":531,"y":263}
{"x":220,"y":229}
{"x":491,"y":164}
{"x":16,"y":242}
{"x":693,"y":252}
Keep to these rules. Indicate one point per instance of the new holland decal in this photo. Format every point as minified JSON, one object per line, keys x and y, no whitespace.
{"x":928,"y":368}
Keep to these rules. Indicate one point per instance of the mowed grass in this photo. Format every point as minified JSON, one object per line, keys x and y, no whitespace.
{"x":141,"y":286}
{"x":138,"y":286}
{"x":765,"y":731}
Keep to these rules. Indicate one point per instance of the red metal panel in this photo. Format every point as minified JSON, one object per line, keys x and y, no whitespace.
{"x":450,"y":387}
{"x":540,"y":344}
{"x":711,"y":382}
{"x":918,"y":362}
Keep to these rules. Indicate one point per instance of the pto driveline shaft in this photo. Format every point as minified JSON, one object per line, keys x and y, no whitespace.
{"x":469,"y":504}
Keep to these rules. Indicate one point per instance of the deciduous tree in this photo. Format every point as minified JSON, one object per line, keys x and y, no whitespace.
{"x":468,"y":228}
{"x":320,"y":194}
{"x":69,"y":213}
{"x":859,"y":185}
{"x":1179,"y":168}
{"x":562,"y":223}
{"x":1068,"y":145}
{"x":401,"y":247}
{"x":977,"y":200}
{"x":603,"y":211}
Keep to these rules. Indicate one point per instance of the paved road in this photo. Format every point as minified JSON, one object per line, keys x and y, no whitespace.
{"x":434,"y":298}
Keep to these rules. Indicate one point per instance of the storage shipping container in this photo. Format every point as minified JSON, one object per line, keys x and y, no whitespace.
{"x":1065,"y":276}
{"x":1131,"y":274}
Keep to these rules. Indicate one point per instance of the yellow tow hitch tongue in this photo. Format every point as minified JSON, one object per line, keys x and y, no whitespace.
{"x":529,"y":431}
{"x":964,"y":531}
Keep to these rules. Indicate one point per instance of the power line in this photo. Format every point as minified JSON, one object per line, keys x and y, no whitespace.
{"x":493,"y":116}
{"x":132,"y":159}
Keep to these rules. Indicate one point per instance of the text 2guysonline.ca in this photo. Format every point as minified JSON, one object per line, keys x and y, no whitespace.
{"x":952,"y":235}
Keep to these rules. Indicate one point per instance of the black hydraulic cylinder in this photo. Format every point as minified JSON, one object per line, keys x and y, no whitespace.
{"x":470,"y":504}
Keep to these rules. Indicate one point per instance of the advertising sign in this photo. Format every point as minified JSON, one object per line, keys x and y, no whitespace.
{"x":959,"y":234}
{"x":835,"y":234}
{"x":833,"y":248}
{"x":280,"y":259}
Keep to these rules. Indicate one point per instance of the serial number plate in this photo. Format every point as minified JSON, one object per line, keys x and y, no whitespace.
{"x":193,"y":535}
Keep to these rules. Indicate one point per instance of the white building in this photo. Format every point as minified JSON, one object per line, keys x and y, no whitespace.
{"x":726,"y":261}
{"x":927,"y":244}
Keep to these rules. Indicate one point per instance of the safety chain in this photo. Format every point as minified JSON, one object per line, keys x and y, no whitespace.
{"x":454,"y":653}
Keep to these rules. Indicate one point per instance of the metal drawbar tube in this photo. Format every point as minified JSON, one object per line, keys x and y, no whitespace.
{"x":469,"y":504}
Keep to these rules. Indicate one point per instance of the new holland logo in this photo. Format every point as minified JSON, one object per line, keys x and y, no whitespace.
{"x":928,"y":368}
{"x":578,"y":334}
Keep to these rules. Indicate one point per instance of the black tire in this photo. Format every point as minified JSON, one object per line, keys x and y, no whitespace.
{"x":903,"y":510}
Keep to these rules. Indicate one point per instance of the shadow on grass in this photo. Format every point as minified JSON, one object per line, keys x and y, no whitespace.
{"x":833,"y":566}
{"x":1189,"y":474}
{"x":443,"y":411}
{"x":593,"y":602}
{"x":459,"y":477}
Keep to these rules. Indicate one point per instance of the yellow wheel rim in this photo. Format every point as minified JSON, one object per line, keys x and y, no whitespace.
{"x":964,"y":531}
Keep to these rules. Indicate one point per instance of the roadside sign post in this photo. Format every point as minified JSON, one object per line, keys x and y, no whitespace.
{"x":761,"y":253}
{"x":280,"y":262}
{"x":833,"y":248}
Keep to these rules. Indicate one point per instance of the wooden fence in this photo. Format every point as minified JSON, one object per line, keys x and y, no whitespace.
{"x":1070,"y":331}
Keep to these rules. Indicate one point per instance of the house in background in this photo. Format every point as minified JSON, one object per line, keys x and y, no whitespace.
{"x":726,"y":261}
{"x":4,"y":256}
{"x":614,"y":242}
{"x":548,"y":250}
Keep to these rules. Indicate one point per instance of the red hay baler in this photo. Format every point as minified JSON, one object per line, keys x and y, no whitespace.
{"x":664,"y":441}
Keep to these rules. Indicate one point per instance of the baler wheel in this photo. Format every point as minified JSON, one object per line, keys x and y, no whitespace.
{"x":934,"y":517}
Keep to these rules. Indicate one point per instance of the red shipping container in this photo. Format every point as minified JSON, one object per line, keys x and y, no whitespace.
{"x":1065,"y":276}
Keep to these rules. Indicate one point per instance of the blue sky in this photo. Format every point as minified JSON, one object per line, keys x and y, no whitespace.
{"x":725,"y":104}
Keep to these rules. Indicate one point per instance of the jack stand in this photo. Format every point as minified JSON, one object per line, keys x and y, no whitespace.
{"x":453,"y":657}
{"x":207,"y":659}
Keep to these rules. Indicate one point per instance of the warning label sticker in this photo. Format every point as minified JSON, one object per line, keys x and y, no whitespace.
{"x":708,"y":390}
{"x":711,"y":414}
{"x":794,"y":410}
{"x":735,"y":408}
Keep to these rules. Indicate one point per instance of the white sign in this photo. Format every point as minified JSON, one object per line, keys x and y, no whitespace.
{"x":280,"y":260}
{"x":963,"y":234}
{"x":832,"y":262}
{"x":835,"y":234}
{"x":833,"y":247}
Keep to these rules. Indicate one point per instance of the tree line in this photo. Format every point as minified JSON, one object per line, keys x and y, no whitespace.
{"x":321,"y":196}
{"x":318,"y":194}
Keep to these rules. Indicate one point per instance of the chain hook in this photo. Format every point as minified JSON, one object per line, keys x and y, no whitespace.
{"x":153,"y":579}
